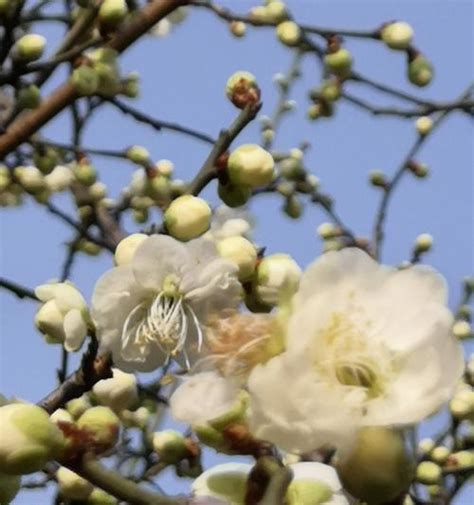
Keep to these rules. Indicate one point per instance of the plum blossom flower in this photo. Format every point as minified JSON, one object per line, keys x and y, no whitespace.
{"x":154,"y":308}
{"x":366,"y":345}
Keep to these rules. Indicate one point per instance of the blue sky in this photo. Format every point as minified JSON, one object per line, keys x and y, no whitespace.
{"x":183,"y":79}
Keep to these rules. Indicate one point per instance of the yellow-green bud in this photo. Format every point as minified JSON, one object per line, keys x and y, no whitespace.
{"x":328,"y":230}
{"x":103,"y":426}
{"x":237,"y":28}
{"x":140,"y":216}
{"x":187,"y":217}
{"x":242,"y":89}
{"x":268,"y":134}
{"x":233,"y":196}
{"x":99,"y":497}
{"x":88,"y":247}
{"x":119,"y":392}
{"x":165,"y":167}
{"x":85,"y":80}
{"x":30,"y":47}
{"x":113,"y":12}
{"x":428,"y":472}
{"x":289,"y":33}
{"x":293,"y":207}
{"x":225,"y":482}
{"x":462,"y":329}
{"x":131,"y":85}
{"x":241,"y":252}
{"x":423,"y":243}
{"x":397,"y":35}
{"x":292,"y":169}
{"x":98,"y":191}
{"x":29,"y":97}
{"x":9,"y":487}
{"x":250,"y":165}
{"x":73,"y":486}
{"x":170,"y":446}
{"x":277,"y":275}
{"x":30,"y":178}
{"x":159,"y":187}
{"x":276,"y":11}
{"x":440,"y":454}
{"x":330,"y":90}
{"x":61,"y":416}
{"x":28,"y":439}
{"x":78,"y":406}
{"x":339,"y":62}
{"x":461,"y":459}
{"x":420,"y":71}
{"x":379,"y":468}
{"x":85,"y":173}
{"x":378,"y":179}
{"x":425,"y":446}
{"x":424,"y":125}
{"x":46,"y":160}
{"x":138,"y":155}
{"x":127,"y":247}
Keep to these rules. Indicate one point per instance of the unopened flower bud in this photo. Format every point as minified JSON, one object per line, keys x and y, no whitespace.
{"x":276,"y":11}
{"x":29,"y":47}
{"x":330,"y":90}
{"x":98,"y":191}
{"x":250,"y":165}
{"x":61,"y":416}
{"x":138,"y":155}
{"x":30,"y":178}
{"x":425,"y":446}
{"x":424,"y":125}
{"x":428,"y":473}
{"x":293,"y":207}
{"x":292,"y":169}
{"x":232,"y":195}
{"x":339,"y":62}
{"x":140,"y":216}
{"x":165,"y":167}
{"x":379,"y":468}
{"x":277,"y":275}
{"x":112,"y":12}
{"x":289,"y":33}
{"x":28,"y":439}
{"x":423,"y":243}
{"x":59,"y":179}
{"x":397,"y":35}
{"x":440,"y":454}
{"x":461,"y":459}
{"x":73,"y":486}
{"x":187,"y":217}
{"x":419,"y":170}
{"x":85,"y":173}
{"x":127,"y":247}
{"x":328,"y":230}
{"x":462,"y":329}
{"x":241,"y":252}
{"x":170,"y":446}
{"x":85,"y":80}
{"x":9,"y":485}
{"x":242,"y":89}
{"x":237,"y":28}
{"x":268,"y":135}
{"x":28,"y":97}
{"x":131,"y":85}
{"x":102,"y":425}
{"x":378,"y":179}
{"x":78,"y":406}
{"x":119,"y":392}
{"x":420,"y":71}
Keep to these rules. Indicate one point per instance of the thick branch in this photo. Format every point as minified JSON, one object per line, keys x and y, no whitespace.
{"x":21,"y":129}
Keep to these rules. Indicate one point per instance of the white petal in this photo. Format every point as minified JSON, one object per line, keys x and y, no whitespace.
{"x":75,"y":329}
{"x":312,"y":470}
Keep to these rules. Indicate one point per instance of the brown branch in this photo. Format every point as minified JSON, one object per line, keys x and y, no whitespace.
{"x":225,"y":139}
{"x":19,"y":291}
{"x":93,"y":368}
{"x":25,"y":126}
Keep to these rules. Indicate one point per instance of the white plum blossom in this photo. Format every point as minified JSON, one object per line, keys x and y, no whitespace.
{"x":63,"y":317}
{"x":119,"y":392}
{"x":366,"y":345}
{"x":203,"y":397}
{"x":154,"y":308}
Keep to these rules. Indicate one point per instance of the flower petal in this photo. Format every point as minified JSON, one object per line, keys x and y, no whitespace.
{"x":75,"y":329}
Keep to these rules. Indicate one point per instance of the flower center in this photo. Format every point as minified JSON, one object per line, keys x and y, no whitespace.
{"x":165,"y":323}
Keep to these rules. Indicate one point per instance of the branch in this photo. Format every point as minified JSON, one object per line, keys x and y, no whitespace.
{"x":393,"y":183}
{"x":158,"y":124}
{"x":226,"y":137}
{"x":93,"y":368}
{"x":19,"y":291}
{"x":21,"y":129}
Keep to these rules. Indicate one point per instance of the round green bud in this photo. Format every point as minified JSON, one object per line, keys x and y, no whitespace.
{"x":462,"y":459}
{"x":78,"y":406}
{"x":378,"y":179}
{"x":428,"y":473}
{"x":379,"y":468}
{"x":237,"y":28}
{"x":313,"y":112}
{"x":140,"y":216}
{"x":241,"y":252}
{"x":9,"y":487}
{"x":187,"y":217}
{"x":425,"y":446}
{"x":440,"y":454}
{"x":462,"y":329}
{"x":88,"y":247}
{"x":103,"y":426}
{"x":420,"y":71}
{"x":72,"y":486}
{"x":61,"y":416}
{"x":127,"y":247}
{"x":29,"y":97}
{"x":29,"y":47}
{"x":85,"y":173}
{"x":339,"y":62}
{"x":159,"y":188}
{"x":289,"y":33}
{"x":276,"y":11}
{"x":292,"y":169}
{"x":165,"y":167}
{"x":423,"y":243}
{"x":99,"y":497}
{"x":138,"y":155}
{"x":47,"y":160}
{"x":308,"y":492}
{"x":233,"y":196}
{"x":30,"y":179}
{"x":131,"y":85}
{"x":293,"y":207}
{"x":330,"y":90}
{"x":28,"y":439}
{"x":250,"y":165}
{"x":170,"y":446}
{"x":424,"y":125}
{"x":113,"y":12}
{"x":85,"y":80}
{"x":119,"y":392}
{"x":397,"y":35}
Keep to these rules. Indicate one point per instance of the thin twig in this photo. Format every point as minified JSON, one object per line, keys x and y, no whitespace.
{"x":19,"y":291}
